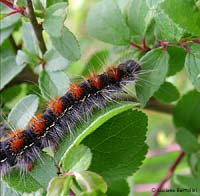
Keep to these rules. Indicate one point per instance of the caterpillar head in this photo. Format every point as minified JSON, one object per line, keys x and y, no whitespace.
{"x":130,"y":68}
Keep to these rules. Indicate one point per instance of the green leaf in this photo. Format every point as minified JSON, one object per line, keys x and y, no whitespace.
{"x":6,"y":191}
{"x":22,"y":185}
{"x":5,"y":33}
{"x":9,"y":69}
{"x":169,"y":30}
{"x":38,"y":5}
{"x":4,"y":9}
{"x":26,"y":58}
{"x":7,"y":98}
{"x":187,"y":141}
{"x":44,"y":169}
{"x":90,"y":181}
{"x":187,"y":182}
{"x":19,"y":91}
{"x":21,"y":2}
{"x":29,"y":39}
{"x":75,"y":69}
{"x":53,"y":84}
{"x":54,"y":61}
{"x":52,"y":2}
{"x":153,"y":73}
{"x":58,"y":185}
{"x":122,"y":4}
{"x":93,"y":193}
{"x":41,"y":173}
{"x":55,"y":16}
{"x":119,"y":188}
{"x":9,"y":21}
{"x":139,"y":17}
{"x":118,"y":146}
{"x":176,"y":60}
{"x":6,"y":50}
{"x":149,"y":33}
{"x":192,"y":65}
{"x":153,"y":4}
{"x":95,"y":62}
{"x":78,"y":159}
{"x":167,"y":93}
{"x":106,"y":23}
{"x":194,"y":163}
{"x":67,"y":45}
{"x":39,"y":192}
{"x":23,"y":111}
{"x":187,"y":110}
{"x":185,"y":13}
{"x":97,"y":119}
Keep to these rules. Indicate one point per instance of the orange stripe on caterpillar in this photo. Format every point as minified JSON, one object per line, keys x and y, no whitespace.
{"x":16,"y":140}
{"x":113,"y":72}
{"x":37,"y":124}
{"x":16,"y":133}
{"x":76,"y":90}
{"x":56,"y":105}
{"x":94,"y":80}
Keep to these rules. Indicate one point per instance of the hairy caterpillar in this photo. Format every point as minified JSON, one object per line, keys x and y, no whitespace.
{"x":22,"y":147}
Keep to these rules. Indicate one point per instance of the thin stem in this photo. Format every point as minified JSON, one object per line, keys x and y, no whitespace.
{"x":8,"y":4}
{"x":70,"y":173}
{"x":169,"y":173}
{"x":136,"y":46}
{"x":13,"y":12}
{"x":153,"y":104}
{"x":16,"y":9}
{"x":144,"y":44}
{"x":183,"y":43}
{"x":37,"y":28}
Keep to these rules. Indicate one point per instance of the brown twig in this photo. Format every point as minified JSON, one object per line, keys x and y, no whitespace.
{"x":169,"y":173}
{"x":7,"y":3}
{"x":143,"y":47}
{"x":36,"y":27}
{"x":136,"y":46}
{"x":183,"y":43}
{"x":153,"y":104}
{"x":16,"y":9}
